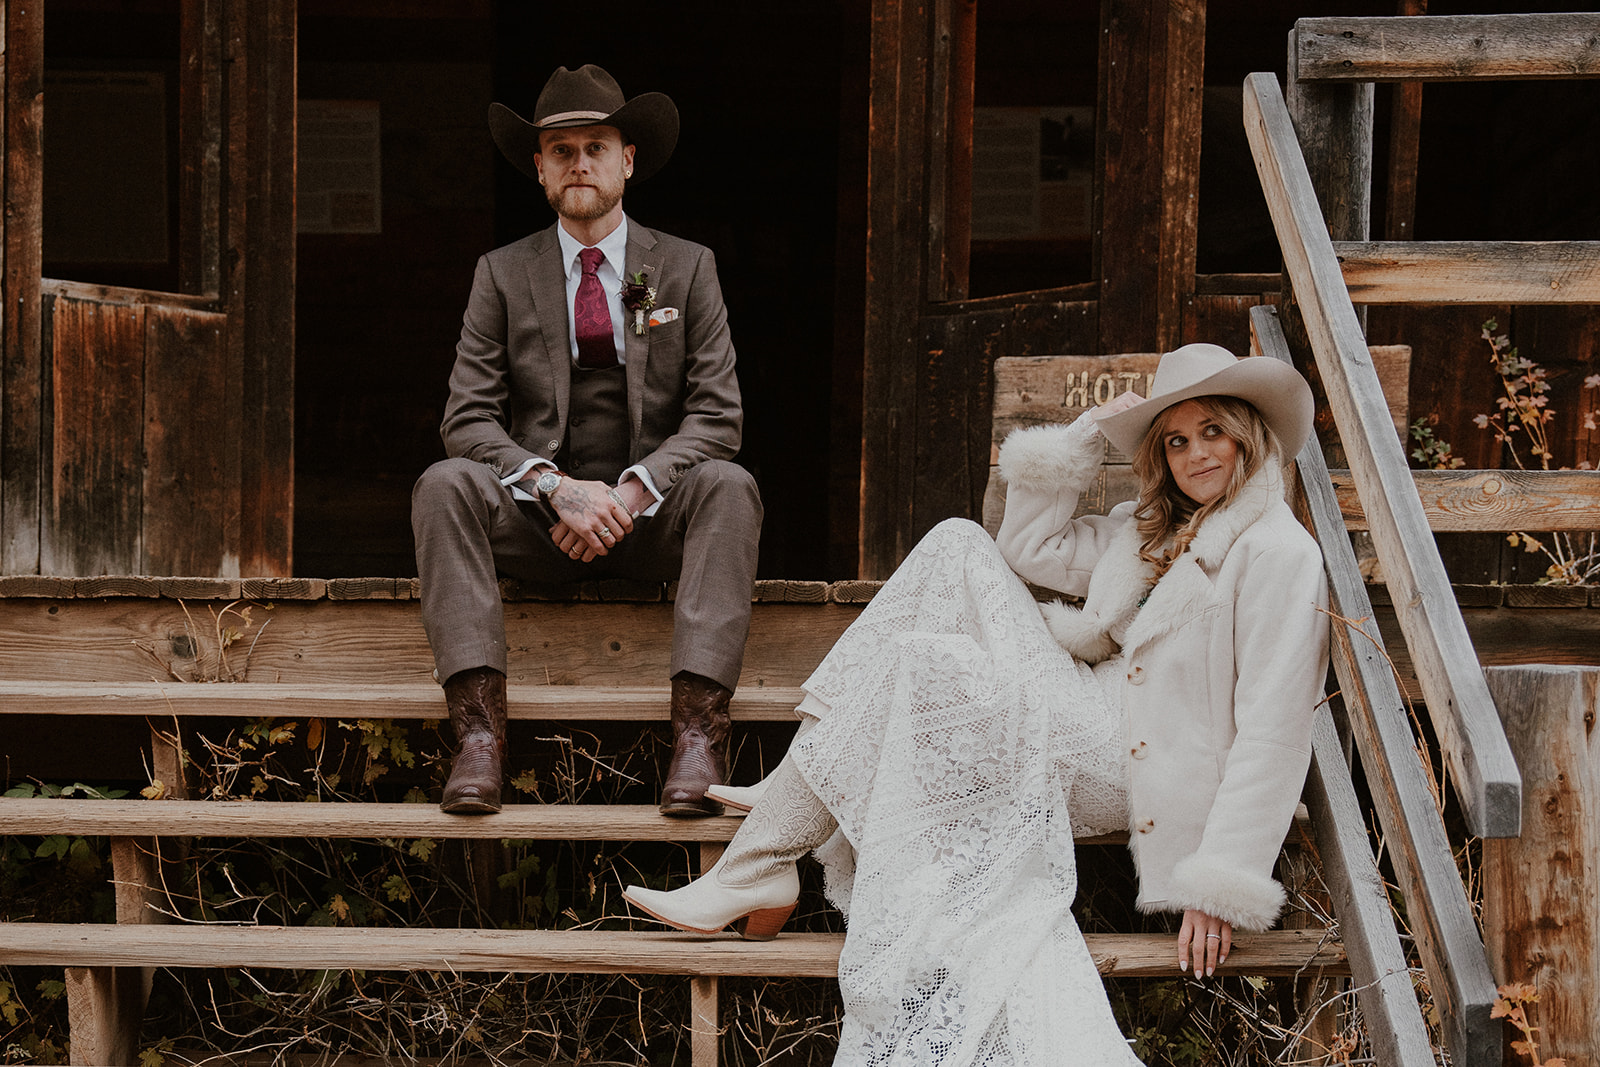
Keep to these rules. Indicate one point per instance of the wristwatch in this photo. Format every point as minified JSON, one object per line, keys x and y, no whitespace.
{"x":548,"y":483}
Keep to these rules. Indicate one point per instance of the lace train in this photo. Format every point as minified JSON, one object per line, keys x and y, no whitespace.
{"x":959,"y":748}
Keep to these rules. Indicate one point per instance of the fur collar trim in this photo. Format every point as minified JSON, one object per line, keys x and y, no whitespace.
{"x":1053,"y":458}
{"x":1120,"y":589}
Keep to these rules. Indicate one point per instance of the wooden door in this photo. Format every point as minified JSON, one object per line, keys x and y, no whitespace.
{"x":929,"y":349}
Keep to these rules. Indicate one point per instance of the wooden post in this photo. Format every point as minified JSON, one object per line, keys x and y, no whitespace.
{"x":1541,"y":891}
{"x":1152,"y":60}
{"x":705,"y":1009}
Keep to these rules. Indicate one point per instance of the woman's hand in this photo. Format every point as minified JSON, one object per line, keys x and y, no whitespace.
{"x":1204,"y":939}
{"x":1120,"y":402}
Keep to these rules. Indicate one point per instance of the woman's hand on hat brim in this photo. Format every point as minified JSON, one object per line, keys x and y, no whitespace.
{"x":1120,"y":402}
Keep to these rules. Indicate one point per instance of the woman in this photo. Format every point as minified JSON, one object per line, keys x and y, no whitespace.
{"x":959,"y":734}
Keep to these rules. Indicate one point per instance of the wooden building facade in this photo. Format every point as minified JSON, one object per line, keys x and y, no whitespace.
{"x":250,"y":385}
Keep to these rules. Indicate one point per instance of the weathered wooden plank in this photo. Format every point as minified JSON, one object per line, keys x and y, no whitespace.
{"x":1463,"y":715}
{"x":22,"y":397}
{"x":1036,"y":390}
{"x":1378,"y":966}
{"x":288,"y":700}
{"x":1405,"y":135}
{"x":1464,"y":501}
{"x":1151,"y":70}
{"x":1449,"y":47}
{"x":96,"y":481}
{"x":190,"y":513}
{"x":199,"y":818}
{"x":260,"y":242}
{"x":359,"y":642}
{"x":200,"y":149}
{"x":125,"y":296}
{"x":1471,"y":272}
{"x":1441,"y":920}
{"x":1279,"y":952}
{"x":1541,"y":900}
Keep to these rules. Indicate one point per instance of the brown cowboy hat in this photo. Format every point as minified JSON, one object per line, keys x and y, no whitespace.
{"x":589,"y":96}
{"x":1275,"y":389}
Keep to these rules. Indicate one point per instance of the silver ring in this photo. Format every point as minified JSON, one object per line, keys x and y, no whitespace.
{"x":1210,"y":936}
{"x":605,"y":531}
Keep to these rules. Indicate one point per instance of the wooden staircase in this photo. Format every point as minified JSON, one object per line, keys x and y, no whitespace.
{"x":85,"y":651}
{"x":1314,"y":154}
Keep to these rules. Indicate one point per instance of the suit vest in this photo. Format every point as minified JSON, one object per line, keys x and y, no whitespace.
{"x":596,"y":448}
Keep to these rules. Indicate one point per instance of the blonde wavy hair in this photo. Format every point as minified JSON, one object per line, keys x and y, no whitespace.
{"x":1167,"y":519}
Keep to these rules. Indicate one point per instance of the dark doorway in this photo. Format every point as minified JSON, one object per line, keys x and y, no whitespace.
{"x":756,"y":177}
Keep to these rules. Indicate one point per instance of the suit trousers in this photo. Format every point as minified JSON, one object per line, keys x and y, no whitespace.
{"x":469,"y":529}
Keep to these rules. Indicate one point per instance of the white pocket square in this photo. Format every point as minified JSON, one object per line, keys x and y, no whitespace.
{"x":662,"y":316}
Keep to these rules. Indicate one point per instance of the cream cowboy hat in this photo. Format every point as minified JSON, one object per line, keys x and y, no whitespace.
{"x":589,"y":96}
{"x":1274,"y":388}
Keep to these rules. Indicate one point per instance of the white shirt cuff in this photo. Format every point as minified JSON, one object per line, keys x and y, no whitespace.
{"x":510,"y":481}
{"x":644,"y":477}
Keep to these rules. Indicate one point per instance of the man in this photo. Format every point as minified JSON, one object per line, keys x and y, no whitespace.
{"x":592,"y":420}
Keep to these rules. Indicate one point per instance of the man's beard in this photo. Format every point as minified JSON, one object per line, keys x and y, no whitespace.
{"x":581,"y":206}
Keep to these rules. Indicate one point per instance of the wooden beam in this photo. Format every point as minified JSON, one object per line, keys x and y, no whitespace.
{"x":200,"y":148}
{"x":23,"y":401}
{"x":1405,"y":137}
{"x":1541,"y":892}
{"x":1449,"y":47}
{"x":1273,"y":953}
{"x":1453,"y":687}
{"x":1152,"y":60}
{"x":1378,"y":966}
{"x":1441,"y":917}
{"x":1470,"y":272}
{"x":1491,"y":501}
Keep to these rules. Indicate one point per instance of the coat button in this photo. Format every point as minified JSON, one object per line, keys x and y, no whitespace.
{"x":1138,"y":751}
{"x":552,"y":447}
{"x":1136,"y":676}
{"x":1146,"y":825}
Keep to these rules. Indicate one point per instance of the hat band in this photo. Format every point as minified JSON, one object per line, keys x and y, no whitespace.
{"x":564,"y":116}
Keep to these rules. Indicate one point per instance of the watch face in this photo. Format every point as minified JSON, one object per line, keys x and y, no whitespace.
{"x":548,"y":482}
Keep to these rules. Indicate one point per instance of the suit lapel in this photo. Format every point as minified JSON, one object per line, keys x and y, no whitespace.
{"x":547,"y":282}
{"x":640,"y":256}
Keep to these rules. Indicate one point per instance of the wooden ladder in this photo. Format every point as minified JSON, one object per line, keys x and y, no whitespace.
{"x":1316,"y":171}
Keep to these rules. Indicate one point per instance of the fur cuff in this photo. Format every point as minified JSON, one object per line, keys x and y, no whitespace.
{"x":1053,"y":458}
{"x":1086,"y":636}
{"x":1248,"y":901}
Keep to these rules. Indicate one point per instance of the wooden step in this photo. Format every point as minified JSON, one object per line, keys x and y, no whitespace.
{"x":338,"y":819}
{"x":1278,"y":952}
{"x":341,"y":819}
{"x":586,"y":703}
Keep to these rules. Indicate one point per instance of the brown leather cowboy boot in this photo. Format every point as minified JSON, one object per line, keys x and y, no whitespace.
{"x":476,"y":698}
{"x":700,"y":725}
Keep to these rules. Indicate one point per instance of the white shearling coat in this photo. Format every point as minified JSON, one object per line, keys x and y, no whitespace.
{"x":1225,"y":662}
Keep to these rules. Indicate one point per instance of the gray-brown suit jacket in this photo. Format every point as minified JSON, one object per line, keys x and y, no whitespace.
{"x":510,"y":389}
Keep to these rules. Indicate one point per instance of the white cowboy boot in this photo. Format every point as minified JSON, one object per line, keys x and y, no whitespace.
{"x":754,"y":886}
{"x":739,"y":799}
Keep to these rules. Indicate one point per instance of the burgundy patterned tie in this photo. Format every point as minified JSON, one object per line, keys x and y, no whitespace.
{"x":597,"y":346}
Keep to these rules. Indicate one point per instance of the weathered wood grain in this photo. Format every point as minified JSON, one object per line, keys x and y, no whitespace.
{"x":1282,"y":952}
{"x":1151,"y":71}
{"x":289,"y":700}
{"x":200,"y":818}
{"x":200,"y":148}
{"x":1449,"y":47}
{"x":21,"y":262}
{"x":1471,"y":272}
{"x":96,"y":478}
{"x":1378,"y":965}
{"x":1541,"y":899}
{"x":1441,"y":916}
{"x":190,"y":505}
{"x":359,"y":642}
{"x":1495,"y":501}
{"x":1464,"y":716}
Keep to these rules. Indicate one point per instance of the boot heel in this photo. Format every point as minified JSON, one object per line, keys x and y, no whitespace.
{"x":764,"y":923}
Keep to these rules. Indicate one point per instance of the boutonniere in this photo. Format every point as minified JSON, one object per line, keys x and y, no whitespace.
{"x":638,"y":296}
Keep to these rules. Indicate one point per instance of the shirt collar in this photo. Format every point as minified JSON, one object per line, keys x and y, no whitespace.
{"x":614,"y":245}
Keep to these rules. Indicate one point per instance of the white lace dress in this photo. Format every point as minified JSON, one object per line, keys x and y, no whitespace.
{"x":961,"y":749}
